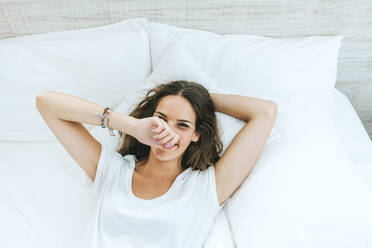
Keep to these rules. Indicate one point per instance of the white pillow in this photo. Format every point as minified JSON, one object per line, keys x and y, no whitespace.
{"x":302,"y":192}
{"x":99,"y":64}
{"x":255,"y":65}
{"x":176,"y":64}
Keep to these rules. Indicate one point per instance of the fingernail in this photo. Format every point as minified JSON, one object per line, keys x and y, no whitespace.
{"x":157,"y":142}
{"x":167,"y":145}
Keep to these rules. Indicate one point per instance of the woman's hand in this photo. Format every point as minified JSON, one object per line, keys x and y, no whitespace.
{"x":152,"y":129}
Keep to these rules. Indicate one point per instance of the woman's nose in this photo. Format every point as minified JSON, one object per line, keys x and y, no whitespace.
{"x":173,"y":127}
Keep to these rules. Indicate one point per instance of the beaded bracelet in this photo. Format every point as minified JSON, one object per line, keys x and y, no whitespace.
{"x":103,"y":115}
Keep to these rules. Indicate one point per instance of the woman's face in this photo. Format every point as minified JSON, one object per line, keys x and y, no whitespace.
{"x":178,"y":113}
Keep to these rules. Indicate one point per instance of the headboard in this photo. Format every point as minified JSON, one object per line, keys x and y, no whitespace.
{"x":290,"y":18}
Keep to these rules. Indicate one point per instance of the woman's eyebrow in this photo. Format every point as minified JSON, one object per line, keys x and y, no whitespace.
{"x":166,"y":116}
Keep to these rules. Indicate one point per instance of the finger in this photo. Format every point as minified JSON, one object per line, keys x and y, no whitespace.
{"x":160,"y":128}
{"x":164,"y":131}
{"x":172,"y":142}
{"x":170,"y":147}
{"x":155,"y":122}
{"x":167,"y":139}
{"x":163,"y":134}
{"x":162,"y":146}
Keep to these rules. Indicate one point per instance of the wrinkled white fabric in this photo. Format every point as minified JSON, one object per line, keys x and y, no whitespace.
{"x":180,"y":218}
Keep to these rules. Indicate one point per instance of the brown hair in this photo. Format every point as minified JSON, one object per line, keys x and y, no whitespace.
{"x":198,"y":155}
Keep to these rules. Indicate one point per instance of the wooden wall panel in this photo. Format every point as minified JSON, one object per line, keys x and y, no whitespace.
{"x":273,"y":18}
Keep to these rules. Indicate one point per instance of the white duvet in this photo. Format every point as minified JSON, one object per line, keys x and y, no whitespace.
{"x":43,"y":202}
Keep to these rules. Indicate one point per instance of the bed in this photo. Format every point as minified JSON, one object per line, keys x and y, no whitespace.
{"x":354,"y":137}
{"x":42,"y":197}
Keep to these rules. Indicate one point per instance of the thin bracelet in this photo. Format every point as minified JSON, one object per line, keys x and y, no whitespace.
{"x":102,"y":116}
{"x":111,"y":131}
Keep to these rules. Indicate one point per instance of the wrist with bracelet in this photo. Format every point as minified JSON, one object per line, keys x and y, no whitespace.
{"x":106,"y":112}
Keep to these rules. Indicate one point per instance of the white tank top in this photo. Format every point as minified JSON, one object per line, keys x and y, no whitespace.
{"x":180,"y":218}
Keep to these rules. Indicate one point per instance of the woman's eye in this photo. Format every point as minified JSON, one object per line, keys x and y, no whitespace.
{"x":181,"y":124}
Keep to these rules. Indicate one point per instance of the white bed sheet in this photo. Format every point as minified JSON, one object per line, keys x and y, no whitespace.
{"x":43,"y":202}
{"x":353,"y":135}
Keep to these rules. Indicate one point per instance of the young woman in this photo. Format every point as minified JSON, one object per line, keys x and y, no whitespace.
{"x":167,"y":182}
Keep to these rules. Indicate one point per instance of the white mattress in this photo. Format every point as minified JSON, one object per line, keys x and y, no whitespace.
{"x":42,"y":198}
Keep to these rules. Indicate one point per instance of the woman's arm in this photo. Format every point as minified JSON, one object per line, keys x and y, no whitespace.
{"x":72,"y":108}
{"x":244,"y":150}
{"x":241,"y":107}
{"x":64,"y":115}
